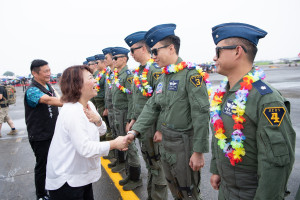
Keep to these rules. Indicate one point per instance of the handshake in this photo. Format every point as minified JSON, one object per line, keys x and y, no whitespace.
{"x":121,"y":142}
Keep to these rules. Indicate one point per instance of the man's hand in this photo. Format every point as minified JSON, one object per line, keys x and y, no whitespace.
{"x":105,"y":112}
{"x":215,"y":181}
{"x":196,"y":161}
{"x":128,"y":128}
{"x":157,"y":136}
{"x":119,"y":143}
{"x":129,"y":138}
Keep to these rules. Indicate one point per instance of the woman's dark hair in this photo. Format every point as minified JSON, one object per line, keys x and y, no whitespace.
{"x":71,"y":83}
{"x":36,"y":64}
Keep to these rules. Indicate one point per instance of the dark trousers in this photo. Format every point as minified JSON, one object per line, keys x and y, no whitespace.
{"x":40,"y":149}
{"x":67,"y":192}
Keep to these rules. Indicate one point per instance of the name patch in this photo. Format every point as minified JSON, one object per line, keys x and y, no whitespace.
{"x":196,"y":80}
{"x":274,"y":115}
{"x":156,"y":75}
{"x":230,"y":105}
{"x":159,"y":88}
{"x":173,"y":85}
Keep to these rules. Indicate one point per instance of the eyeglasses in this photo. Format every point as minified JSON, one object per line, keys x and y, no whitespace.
{"x":116,"y":57}
{"x":133,"y":49}
{"x":228,"y":47}
{"x":155,"y":51}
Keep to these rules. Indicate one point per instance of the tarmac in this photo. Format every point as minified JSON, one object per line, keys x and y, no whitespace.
{"x":17,"y":159}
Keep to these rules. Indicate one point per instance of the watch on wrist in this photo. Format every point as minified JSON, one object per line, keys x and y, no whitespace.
{"x":133,"y":133}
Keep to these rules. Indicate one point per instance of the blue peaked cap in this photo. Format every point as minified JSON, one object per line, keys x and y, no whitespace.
{"x":135,"y":37}
{"x":241,"y":30}
{"x":159,"y":32}
{"x":99,"y":57}
{"x":85,"y":62}
{"x":92,"y":58}
{"x":119,"y":50}
{"x":106,"y":50}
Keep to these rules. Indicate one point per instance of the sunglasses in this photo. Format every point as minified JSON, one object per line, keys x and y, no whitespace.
{"x":93,"y":63}
{"x":155,"y":51}
{"x":133,"y":49}
{"x":116,"y":57}
{"x":228,"y":47}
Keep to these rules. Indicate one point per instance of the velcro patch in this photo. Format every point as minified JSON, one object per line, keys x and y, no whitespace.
{"x":230,"y":105}
{"x":129,"y":80}
{"x":173,"y":85}
{"x":261,"y":87}
{"x":196,"y":80}
{"x":274,"y":115}
{"x":156,"y":75}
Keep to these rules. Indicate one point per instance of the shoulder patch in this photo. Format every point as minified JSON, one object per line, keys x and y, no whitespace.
{"x":128,"y":71}
{"x":261,"y":87}
{"x":274,"y":115}
{"x":156,"y":75}
{"x":130,"y":79}
{"x":196,"y":80}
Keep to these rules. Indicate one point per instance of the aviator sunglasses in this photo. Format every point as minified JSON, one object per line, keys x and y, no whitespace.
{"x":155,"y":51}
{"x":228,"y":47}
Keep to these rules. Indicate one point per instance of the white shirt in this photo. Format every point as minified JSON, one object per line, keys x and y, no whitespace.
{"x":75,"y":150}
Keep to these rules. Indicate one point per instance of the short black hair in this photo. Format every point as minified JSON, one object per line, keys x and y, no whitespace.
{"x":36,"y":64}
{"x":172,"y":39}
{"x":143,"y":42}
{"x":249,"y":46}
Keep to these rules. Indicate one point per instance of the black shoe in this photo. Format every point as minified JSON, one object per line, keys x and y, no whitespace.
{"x":112,"y":164}
{"x":124,"y":181}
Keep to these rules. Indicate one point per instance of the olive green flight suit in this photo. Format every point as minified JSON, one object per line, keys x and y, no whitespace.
{"x":269,"y":145}
{"x":122,"y":102}
{"x":156,"y":184}
{"x":181,"y":101}
{"x":108,"y":103}
{"x":99,"y":100}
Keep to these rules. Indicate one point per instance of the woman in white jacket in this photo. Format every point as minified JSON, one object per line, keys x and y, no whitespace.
{"x":74,"y":155}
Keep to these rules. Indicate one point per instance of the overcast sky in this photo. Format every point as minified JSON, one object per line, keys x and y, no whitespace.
{"x":65,"y":32}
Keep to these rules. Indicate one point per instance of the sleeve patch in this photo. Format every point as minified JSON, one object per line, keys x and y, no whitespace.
{"x":156,"y":75}
{"x":196,"y":80}
{"x":128,"y":72}
{"x":274,"y":115}
{"x":130,"y":79}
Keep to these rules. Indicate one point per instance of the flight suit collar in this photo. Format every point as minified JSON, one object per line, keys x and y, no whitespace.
{"x":123,"y":70}
{"x":178,"y":60}
{"x":237,"y":86}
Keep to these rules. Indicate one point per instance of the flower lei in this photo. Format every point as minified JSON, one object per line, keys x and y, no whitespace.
{"x":99,"y":76}
{"x":122,"y":88}
{"x":108,"y":81}
{"x":234,"y":149}
{"x":182,"y":65}
{"x":144,"y":87}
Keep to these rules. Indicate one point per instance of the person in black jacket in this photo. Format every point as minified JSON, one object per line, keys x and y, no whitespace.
{"x":41,"y":111}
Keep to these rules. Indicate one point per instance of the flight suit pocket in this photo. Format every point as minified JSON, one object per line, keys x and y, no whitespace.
{"x":276,"y":147}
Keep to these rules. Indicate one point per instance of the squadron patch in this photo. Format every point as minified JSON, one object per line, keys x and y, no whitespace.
{"x":156,"y":75}
{"x":173,"y":85}
{"x":130,"y":79}
{"x":196,"y":80}
{"x":230,"y":105}
{"x":274,"y":115}
{"x":159,"y":88}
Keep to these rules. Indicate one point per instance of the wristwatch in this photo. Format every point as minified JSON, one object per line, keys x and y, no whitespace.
{"x":133,"y":133}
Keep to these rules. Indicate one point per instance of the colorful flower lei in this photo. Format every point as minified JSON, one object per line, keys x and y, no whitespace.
{"x":144,"y":87}
{"x":98,"y":78}
{"x":122,"y":88}
{"x":234,"y":149}
{"x":182,"y":65}
{"x":108,"y":81}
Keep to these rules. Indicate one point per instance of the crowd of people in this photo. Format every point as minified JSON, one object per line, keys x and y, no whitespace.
{"x":167,"y":106}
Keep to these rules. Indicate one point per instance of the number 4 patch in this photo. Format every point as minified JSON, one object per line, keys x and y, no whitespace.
{"x":275,"y":115}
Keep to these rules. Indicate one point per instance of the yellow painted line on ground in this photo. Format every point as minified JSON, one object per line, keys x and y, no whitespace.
{"x":116,"y":177}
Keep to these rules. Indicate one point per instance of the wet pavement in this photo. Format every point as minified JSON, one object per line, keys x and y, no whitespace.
{"x":17,"y":159}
